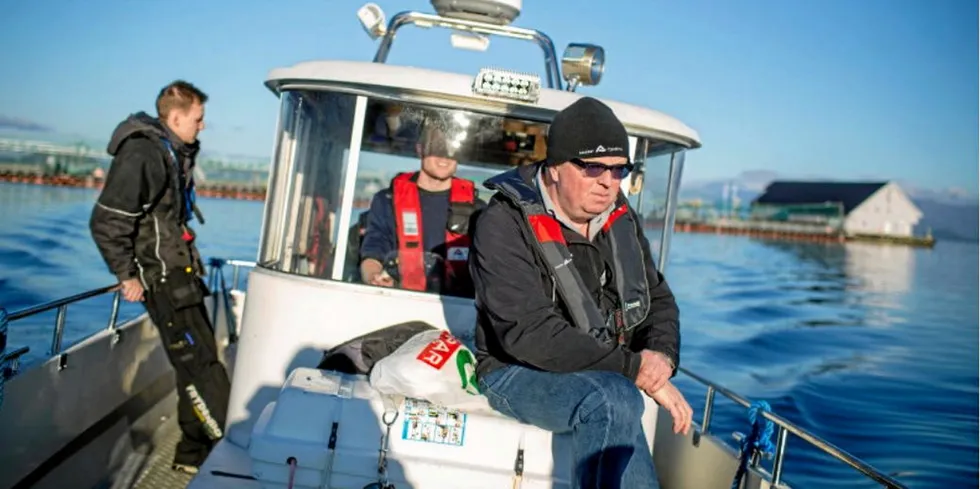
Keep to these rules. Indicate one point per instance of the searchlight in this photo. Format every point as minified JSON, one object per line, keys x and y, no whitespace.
{"x":582,"y":64}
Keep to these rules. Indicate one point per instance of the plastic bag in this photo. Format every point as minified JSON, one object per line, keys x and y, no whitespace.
{"x":434,"y":366}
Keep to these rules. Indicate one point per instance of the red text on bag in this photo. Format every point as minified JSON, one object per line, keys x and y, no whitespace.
{"x":437,"y":352}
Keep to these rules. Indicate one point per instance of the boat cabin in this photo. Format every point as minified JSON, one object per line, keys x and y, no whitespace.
{"x":345,"y":130}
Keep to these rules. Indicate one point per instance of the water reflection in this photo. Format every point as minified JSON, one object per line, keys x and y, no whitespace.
{"x":874,"y":278}
{"x":833,"y":335}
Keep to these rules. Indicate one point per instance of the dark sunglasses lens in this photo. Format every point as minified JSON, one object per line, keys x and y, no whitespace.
{"x":622,"y":171}
{"x":595,"y":170}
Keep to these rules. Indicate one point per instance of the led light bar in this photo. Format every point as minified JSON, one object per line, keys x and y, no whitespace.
{"x":493,"y":82}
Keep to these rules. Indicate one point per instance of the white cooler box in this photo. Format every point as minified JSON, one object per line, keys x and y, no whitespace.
{"x":331,"y":424}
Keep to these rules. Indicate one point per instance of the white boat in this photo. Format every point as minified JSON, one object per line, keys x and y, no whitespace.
{"x":102,"y":412}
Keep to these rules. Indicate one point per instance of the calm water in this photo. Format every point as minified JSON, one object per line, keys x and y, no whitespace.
{"x":872,"y":347}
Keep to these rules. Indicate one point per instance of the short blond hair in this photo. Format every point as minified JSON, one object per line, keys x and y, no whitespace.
{"x":179,"y":95}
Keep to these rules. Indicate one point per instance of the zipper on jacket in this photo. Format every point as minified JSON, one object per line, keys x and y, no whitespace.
{"x":163,"y":264}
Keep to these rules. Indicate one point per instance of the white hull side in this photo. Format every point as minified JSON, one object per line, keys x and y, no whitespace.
{"x":299,"y":317}
{"x":51,"y":419}
{"x":76,"y":427}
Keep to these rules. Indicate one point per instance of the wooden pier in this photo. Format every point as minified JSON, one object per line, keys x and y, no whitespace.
{"x":792,"y":232}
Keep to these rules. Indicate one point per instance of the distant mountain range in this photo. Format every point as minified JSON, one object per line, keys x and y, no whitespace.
{"x":950,"y":214}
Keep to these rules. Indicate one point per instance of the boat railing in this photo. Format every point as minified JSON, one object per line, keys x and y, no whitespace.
{"x":552,"y":70}
{"x":217,"y":284}
{"x":219,"y":288}
{"x":10,"y":360}
{"x":784,"y":429}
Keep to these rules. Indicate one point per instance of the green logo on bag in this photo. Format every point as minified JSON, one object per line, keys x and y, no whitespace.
{"x":466,"y":366}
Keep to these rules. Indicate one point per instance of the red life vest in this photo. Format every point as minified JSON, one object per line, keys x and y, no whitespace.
{"x":408,"y":219}
{"x":319,"y":249}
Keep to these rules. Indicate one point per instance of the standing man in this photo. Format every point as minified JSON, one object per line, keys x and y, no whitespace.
{"x":422,"y":216}
{"x":574,"y":322}
{"x":140,"y":224}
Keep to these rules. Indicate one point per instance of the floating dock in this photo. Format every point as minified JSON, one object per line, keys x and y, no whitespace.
{"x":219,"y":190}
{"x":792,"y":231}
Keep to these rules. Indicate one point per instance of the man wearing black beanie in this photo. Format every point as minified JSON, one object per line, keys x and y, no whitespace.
{"x":574,"y":322}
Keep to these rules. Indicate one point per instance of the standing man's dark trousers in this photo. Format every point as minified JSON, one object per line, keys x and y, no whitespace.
{"x":177,"y":308}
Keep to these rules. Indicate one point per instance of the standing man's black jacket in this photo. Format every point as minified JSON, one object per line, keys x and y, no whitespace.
{"x":520,"y":322}
{"x":139,"y":220}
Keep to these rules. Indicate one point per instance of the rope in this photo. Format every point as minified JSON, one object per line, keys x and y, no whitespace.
{"x":758,"y":441}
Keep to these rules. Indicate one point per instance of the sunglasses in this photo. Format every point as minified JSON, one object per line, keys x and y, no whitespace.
{"x":595,"y":170}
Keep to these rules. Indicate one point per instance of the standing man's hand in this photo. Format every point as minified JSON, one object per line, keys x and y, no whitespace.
{"x":132,"y":289}
{"x":655,"y":371}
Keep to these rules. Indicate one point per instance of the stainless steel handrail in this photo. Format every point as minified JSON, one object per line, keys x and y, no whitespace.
{"x":785,"y":427}
{"x":62,"y":307}
{"x":552,"y":70}
{"x":59,"y":303}
{"x":216,"y":283}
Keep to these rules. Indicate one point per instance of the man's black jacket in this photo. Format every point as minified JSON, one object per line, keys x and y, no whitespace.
{"x":138,"y":220}
{"x":519,"y":323}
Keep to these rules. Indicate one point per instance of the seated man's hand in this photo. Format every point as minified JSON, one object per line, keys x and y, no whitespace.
{"x":382,"y":279}
{"x":374,"y":273}
{"x":655,"y":371}
{"x":673,"y":401}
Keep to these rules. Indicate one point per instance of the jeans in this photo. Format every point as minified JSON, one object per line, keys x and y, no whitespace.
{"x":601,"y":409}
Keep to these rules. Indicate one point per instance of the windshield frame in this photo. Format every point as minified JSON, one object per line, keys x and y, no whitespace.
{"x":284,"y":164}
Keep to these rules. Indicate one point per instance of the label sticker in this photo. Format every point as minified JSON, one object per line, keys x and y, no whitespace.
{"x":431,"y":423}
{"x":411,"y":223}
{"x":329,"y":383}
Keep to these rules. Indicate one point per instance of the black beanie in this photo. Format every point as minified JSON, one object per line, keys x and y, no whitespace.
{"x":586,"y":129}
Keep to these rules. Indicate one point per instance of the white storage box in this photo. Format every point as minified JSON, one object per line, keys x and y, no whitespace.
{"x":331,"y":424}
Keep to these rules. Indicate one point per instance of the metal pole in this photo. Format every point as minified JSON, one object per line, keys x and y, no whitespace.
{"x":114,"y":315}
{"x":673,"y":189}
{"x":552,"y":70}
{"x":3,"y":346}
{"x":709,"y":401}
{"x":4,"y":322}
{"x":777,"y":463}
{"x":59,"y":329}
{"x":234,"y":277}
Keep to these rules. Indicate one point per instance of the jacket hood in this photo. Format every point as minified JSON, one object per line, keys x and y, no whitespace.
{"x":139,"y":123}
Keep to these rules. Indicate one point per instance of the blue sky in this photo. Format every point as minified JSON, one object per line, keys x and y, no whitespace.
{"x":849,"y":89}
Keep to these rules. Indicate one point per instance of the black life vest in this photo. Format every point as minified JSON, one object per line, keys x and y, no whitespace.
{"x":549,"y":244}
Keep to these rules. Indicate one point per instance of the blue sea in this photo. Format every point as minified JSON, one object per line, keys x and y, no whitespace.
{"x":872,"y":347}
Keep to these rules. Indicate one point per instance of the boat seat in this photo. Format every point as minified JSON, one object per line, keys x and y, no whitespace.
{"x":331,"y":424}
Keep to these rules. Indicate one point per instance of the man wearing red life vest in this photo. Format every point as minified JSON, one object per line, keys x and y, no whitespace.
{"x":574,"y":322}
{"x":418,"y":228}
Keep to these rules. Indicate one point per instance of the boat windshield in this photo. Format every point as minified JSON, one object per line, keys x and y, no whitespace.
{"x":320,"y":188}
